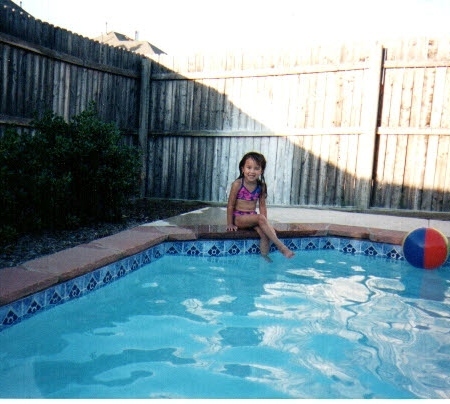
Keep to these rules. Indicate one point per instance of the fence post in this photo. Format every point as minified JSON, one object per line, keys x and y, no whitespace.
{"x":369,"y":117}
{"x":144,"y":105}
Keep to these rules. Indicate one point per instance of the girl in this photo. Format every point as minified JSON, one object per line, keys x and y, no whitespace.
{"x":246,"y":191}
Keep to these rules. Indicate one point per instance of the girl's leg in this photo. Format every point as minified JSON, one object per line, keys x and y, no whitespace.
{"x":246,"y":221}
{"x":264,"y":245}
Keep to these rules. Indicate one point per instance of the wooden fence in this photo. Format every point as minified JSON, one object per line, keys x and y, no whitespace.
{"x":43,"y":68}
{"x":363,"y":125}
{"x":352,"y":125}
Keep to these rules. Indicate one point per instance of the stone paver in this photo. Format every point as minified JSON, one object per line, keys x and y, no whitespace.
{"x":18,"y":282}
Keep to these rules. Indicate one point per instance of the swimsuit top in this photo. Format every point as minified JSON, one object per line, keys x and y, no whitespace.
{"x":246,"y":195}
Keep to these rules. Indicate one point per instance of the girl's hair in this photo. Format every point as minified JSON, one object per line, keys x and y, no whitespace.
{"x":259,"y":159}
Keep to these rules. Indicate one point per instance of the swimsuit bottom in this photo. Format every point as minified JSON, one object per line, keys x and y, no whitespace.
{"x":242,"y":212}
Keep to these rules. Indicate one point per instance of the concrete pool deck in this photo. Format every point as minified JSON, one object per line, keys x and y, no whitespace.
{"x":207,"y":223}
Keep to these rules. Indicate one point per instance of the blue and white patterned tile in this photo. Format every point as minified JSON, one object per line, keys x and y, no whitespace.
{"x":393,"y":252}
{"x":106,"y":274}
{"x":336,"y":242}
{"x":292,"y":244}
{"x":203,"y":247}
{"x":251,"y":246}
{"x":358,"y":244}
{"x":75,"y":287}
{"x":147,"y":256}
{"x":233,"y":247}
{"x":310,"y":243}
{"x":132,"y":263}
{"x":328,"y":243}
{"x":121,"y":268}
{"x":319,"y":241}
{"x":217,"y":249}
{"x":55,"y":295}
{"x":159,"y":250}
{"x":175,"y":248}
{"x":170,"y":248}
{"x":92,"y":282}
{"x":34,"y":303}
{"x":136,"y":262}
{"x":350,"y":246}
{"x":371,"y":249}
{"x":114,"y":268}
{"x":192,"y":249}
{"x":11,"y":314}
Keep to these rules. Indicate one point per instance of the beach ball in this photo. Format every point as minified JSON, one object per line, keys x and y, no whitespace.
{"x":425,"y":248}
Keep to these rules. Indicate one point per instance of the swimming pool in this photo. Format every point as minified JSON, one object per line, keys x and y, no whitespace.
{"x":343,"y":319}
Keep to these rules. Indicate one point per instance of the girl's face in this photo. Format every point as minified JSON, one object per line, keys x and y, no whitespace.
{"x":251,"y":170}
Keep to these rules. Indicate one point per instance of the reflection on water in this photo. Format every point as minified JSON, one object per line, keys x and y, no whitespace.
{"x":322,"y":325}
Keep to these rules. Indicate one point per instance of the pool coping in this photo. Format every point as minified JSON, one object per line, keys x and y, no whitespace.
{"x":41,"y":273}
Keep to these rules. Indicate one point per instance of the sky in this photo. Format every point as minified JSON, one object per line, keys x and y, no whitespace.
{"x":216,"y":26}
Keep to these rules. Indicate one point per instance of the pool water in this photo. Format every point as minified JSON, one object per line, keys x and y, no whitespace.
{"x":321,"y":325}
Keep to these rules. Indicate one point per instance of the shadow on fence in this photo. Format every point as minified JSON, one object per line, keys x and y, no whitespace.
{"x":320,"y":118}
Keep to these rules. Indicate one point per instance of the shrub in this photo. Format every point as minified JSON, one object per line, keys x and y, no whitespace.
{"x":66,"y":175}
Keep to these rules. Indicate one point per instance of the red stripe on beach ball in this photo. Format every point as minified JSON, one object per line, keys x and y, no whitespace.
{"x":436,"y":249}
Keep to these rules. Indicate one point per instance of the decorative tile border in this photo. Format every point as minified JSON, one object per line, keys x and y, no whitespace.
{"x":19,"y":310}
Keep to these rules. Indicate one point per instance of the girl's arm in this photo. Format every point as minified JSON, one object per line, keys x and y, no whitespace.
{"x":230,"y":206}
{"x":262,"y":206}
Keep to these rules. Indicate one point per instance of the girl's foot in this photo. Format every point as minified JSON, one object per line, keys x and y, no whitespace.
{"x":267,"y":258}
{"x":287,"y":252}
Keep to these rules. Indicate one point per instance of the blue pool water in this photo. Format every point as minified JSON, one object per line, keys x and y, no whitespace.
{"x":324,"y":324}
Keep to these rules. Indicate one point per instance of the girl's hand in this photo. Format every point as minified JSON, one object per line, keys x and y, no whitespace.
{"x":231,"y":227}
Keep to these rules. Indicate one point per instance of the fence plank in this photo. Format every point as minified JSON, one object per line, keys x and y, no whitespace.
{"x":446,"y":187}
{"x":430,"y":168}
{"x":144,"y":104}
{"x":440,"y":172}
{"x":369,"y":117}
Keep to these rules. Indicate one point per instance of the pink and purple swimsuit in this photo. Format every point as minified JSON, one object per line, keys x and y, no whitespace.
{"x":245,"y":195}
